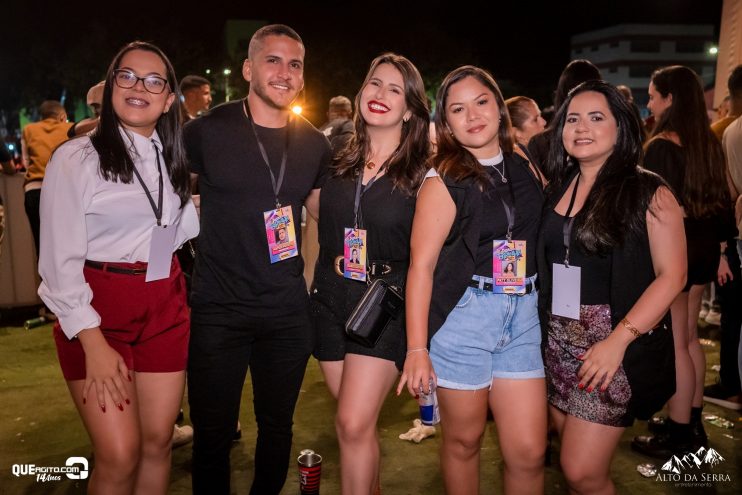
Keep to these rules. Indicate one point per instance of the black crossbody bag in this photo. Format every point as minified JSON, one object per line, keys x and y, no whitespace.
{"x":380,"y":304}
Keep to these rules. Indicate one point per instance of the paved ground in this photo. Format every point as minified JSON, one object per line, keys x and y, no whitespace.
{"x":39,"y":426}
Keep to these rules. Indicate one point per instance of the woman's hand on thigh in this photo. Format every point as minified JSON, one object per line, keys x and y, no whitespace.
{"x":105,"y":369}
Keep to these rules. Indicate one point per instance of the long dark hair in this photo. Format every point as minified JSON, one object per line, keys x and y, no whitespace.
{"x":452,"y":159}
{"x":407,"y":167}
{"x":704,"y":186}
{"x":576,"y":72}
{"x":618,"y":201}
{"x":115,"y":162}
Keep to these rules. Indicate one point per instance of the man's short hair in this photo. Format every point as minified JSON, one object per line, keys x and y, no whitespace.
{"x":735,"y":83}
{"x":192,"y":82}
{"x":270,"y":30}
{"x":95,"y":94}
{"x":341,"y":104}
{"x":51,"y":109}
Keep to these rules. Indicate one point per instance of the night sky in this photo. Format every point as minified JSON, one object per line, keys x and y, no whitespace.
{"x":524,"y":44}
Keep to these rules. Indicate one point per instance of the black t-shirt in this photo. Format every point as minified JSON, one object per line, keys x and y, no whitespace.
{"x":234,"y":278}
{"x":494,"y":221}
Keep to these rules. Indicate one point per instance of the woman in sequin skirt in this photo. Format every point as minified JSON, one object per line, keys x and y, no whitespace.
{"x":606,"y":293}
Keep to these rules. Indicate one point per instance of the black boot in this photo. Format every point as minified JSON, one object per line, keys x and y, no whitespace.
{"x":700,"y":439}
{"x":677,"y":440}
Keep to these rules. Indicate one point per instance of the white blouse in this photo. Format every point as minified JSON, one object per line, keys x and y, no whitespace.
{"x":84,"y":217}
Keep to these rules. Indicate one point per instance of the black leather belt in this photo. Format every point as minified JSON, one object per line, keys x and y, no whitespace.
{"x":488,"y":285}
{"x":375,"y":268}
{"x":108,"y":267}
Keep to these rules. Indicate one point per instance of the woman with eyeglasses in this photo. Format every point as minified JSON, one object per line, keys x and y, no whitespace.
{"x":114,"y":207}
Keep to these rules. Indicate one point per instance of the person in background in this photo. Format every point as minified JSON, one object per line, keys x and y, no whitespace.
{"x":38,"y":141}
{"x":526,"y":118}
{"x":608,"y":277}
{"x":94,"y":100}
{"x":576,"y":72}
{"x":727,"y":392}
{"x":6,"y":167}
{"x":114,"y":207}
{"x":339,"y":128}
{"x":196,"y":91}
{"x":684,"y":152}
{"x":527,"y":122}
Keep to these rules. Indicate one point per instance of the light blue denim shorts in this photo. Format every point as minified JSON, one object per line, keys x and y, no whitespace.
{"x":488,"y":336}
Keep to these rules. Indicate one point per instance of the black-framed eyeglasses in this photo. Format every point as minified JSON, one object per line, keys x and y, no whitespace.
{"x":126,"y":79}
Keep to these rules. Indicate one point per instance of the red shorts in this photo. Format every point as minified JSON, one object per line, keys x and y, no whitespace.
{"x":148,"y":323}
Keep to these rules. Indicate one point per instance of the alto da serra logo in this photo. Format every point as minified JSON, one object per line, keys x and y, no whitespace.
{"x":690,"y":460}
{"x":690,"y":467}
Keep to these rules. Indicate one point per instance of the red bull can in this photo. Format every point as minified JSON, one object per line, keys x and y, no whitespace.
{"x":429,"y":414}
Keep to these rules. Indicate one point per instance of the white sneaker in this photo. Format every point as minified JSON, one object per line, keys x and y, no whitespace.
{"x":713,"y":317}
{"x":704,"y":311}
{"x":182,"y":435}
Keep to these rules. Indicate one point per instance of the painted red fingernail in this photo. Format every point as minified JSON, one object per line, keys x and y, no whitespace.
{"x":589,"y":389}
{"x":580,"y":386}
{"x":127,"y":401}
{"x":84,"y":401}
{"x":103,"y":408}
{"x":121,"y":407}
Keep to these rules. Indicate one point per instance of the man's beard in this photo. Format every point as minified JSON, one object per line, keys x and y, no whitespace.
{"x":258,"y":89}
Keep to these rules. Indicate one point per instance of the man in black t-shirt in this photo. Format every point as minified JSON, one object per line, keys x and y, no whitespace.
{"x":257,"y":166}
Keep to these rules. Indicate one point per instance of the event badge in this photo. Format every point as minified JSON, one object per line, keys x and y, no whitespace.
{"x":160,"y":252}
{"x":354,"y":254}
{"x":509,"y":267}
{"x":279,"y":229}
{"x":565,"y":299}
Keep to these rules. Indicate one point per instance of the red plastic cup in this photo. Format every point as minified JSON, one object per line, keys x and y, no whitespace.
{"x":310,"y":468}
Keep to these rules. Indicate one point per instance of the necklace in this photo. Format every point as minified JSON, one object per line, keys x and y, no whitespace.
{"x":370,"y":165}
{"x":501,"y":174}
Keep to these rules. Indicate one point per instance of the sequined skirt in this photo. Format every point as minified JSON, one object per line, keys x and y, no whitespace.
{"x":567,"y":340}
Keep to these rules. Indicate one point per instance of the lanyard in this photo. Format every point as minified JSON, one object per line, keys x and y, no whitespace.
{"x":276,"y":183}
{"x":156,"y":209}
{"x":568,"y":221}
{"x":509,"y":208}
{"x":361,"y":189}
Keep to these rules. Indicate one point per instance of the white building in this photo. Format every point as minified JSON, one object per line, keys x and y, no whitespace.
{"x":629,"y":53}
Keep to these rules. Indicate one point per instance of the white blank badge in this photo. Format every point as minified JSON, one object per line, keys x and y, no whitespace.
{"x":160,"y":252}
{"x":565,"y":298}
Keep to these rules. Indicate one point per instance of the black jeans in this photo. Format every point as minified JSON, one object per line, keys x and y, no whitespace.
{"x":730,"y":301}
{"x":275,"y":350}
{"x":31,"y":202}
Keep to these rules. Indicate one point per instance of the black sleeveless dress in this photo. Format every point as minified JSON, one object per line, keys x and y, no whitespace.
{"x":386,"y":214}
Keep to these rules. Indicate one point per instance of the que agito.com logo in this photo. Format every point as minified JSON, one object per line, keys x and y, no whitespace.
{"x":75,"y":468}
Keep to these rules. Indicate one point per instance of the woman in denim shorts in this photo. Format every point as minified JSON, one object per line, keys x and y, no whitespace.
{"x":478,"y":211}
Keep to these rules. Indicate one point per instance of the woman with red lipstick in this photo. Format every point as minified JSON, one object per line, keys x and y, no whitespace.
{"x":114,"y":207}
{"x":611,"y":256}
{"x":685,"y":152}
{"x":478,"y":210}
{"x":371,"y":196}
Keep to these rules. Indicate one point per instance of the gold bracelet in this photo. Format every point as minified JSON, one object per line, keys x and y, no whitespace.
{"x":631,"y":328}
{"x":417,"y":349}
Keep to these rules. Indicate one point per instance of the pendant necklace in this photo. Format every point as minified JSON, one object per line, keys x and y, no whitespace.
{"x":501,"y":174}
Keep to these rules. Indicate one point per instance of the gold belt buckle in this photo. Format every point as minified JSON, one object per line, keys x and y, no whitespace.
{"x":337,"y":263}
